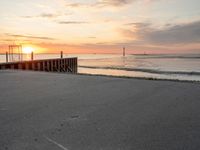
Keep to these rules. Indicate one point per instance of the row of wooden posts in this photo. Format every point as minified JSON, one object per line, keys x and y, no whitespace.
{"x":49,"y":65}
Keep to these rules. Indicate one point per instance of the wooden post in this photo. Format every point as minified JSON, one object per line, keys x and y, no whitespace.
{"x":72,"y":65}
{"x":61,"y":54}
{"x":43,"y":66}
{"x":33,"y":65}
{"x":19,"y":66}
{"x":38,"y":66}
{"x":51,"y":64}
{"x":62,"y":64}
{"x":58,"y":61}
{"x":27,"y":66}
{"x":48,"y":65}
{"x":12,"y":66}
{"x":6,"y":56}
{"x":76,"y":65}
{"x":55,"y":65}
{"x":124,"y":51}
{"x":3,"y":67}
{"x":65,"y":65}
{"x":31,"y":55}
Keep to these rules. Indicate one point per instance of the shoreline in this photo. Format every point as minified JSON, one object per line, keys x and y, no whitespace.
{"x":113,"y":76}
{"x":144,"y":70}
{"x":140,"y":78}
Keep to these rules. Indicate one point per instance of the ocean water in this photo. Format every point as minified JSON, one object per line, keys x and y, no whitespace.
{"x":177,"y":67}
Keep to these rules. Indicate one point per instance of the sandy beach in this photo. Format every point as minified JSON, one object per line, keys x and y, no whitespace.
{"x":54,"y":111}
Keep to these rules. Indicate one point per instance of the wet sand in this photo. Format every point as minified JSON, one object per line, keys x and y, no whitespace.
{"x":51,"y":111}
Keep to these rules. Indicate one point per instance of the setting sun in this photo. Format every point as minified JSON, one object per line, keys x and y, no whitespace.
{"x":27,"y":50}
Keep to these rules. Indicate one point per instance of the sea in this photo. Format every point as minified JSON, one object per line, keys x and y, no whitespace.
{"x":156,"y":66}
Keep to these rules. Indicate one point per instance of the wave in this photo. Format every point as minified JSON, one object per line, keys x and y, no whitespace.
{"x":146,"y":70}
{"x":167,"y":56}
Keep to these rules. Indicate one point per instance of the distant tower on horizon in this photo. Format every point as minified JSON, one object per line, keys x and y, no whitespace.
{"x":124,"y":51}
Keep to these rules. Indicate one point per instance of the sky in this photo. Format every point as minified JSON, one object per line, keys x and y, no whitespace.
{"x":101,"y":26}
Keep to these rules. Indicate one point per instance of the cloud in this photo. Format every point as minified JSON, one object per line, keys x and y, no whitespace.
{"x":48,"y":15}
{"x":114,"y":2}
{"x":105,"y":3}
{"x":28,"y":17}
{"x":29,"y":36}
{"x":43,"y":15}
{"x":75,"y":5}
{"x":72,"y":22}
{"x":185,"y":33}
{"x":138,"y":24}
{"x":101,"y":3}
{"x":92,"y":37}
{"x":174,"y":34}
{"x":127,"y":33}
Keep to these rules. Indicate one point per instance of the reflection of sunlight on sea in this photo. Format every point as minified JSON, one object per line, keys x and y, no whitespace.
{"x":140,"y":66}
{"x":26,"y":57}
{"x":123,"y":73}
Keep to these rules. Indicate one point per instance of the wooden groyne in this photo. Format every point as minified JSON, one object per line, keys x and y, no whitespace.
{"x":49,"y":65}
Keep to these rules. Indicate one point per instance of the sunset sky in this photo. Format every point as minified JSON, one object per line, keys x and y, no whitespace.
{"x":101,"y":26}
